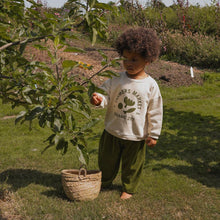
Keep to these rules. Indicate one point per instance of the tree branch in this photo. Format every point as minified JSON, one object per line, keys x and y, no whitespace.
{"x":5,"y":77}
{"x":36,"y":38}
{"x":23,"y":42}
{"x":103,"y":49}
{"x":83,"y":83}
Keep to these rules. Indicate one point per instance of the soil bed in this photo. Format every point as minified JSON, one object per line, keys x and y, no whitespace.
{"x":166,"y":72}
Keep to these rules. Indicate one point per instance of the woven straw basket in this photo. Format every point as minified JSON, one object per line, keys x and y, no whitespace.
{"x":81,"y":185}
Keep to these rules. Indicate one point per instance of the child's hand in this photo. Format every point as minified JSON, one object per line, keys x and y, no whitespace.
{"x":151,"y":142}
{"x":96,"y":99}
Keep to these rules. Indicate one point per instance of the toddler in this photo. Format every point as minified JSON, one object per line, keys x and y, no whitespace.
{"x":134,"y":111}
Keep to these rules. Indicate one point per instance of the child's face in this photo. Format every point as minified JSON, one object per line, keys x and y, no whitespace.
{"x":134,"y":64}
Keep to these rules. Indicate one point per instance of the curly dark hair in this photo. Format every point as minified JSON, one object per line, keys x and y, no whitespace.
{"x":139,"y":40}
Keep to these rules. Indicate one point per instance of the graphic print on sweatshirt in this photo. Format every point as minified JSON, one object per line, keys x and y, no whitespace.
{"x":127,"y":103}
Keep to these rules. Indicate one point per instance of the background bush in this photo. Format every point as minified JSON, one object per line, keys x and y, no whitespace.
{"x":194,"y":50}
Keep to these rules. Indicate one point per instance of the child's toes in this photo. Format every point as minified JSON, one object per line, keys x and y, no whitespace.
{"x":125,"y":195}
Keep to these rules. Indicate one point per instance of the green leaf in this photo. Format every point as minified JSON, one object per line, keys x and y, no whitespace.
{"x":34,"y":112}
{"x":101,"y":22}
{"x":56,"y":138}
{"x":57,"y":41}
{"x":50,"y":139}
{"x":62,"y":145}
{"x":4,"y":27}
{"x":71,"y":122}
{"x":40,"y":47}
{"x":92,"y":3}
{"x":42,"y":120}
{"x":25,"y":95}
{"x":105,"y":57}
{"x":91,"y":89}
{"x":58,"y":124}
{"x":60,"y":47}
{"x":76,"y":89}
{"x":103,"y":6}
{"x":87,"y":18}
{"x":99,"y":90}
{"x":20,"y":116}
{"x":53,"y":58}
{"x":51,"y":17}
{"x":27,"y":99}
{"x":108,"y":73}
{"x":94,"y":35}
{"x":89,"y":125}
{"x":76,"y":109}
{"x":74,"y":50}
{"x":115,"y":63}
{"x":74,"y":141}
{"x":69,"y":63}
{"x":22,"y":48}
{"x":40,"y":25}
{"x":83,"y":154}
{"x":51,"y":142}
{"x":103,"y":63}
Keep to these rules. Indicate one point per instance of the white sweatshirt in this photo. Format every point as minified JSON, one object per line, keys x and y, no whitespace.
{"x":134,"y":107}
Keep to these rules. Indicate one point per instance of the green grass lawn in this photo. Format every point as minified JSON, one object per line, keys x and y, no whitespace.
{"x":181,"y":179}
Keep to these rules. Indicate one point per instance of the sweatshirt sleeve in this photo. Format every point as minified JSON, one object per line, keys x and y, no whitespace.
{"x":155,"y":113}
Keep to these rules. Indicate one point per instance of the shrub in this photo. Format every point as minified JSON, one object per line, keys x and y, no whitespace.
{"x":192,"y":49}
{"x":204,"y":20}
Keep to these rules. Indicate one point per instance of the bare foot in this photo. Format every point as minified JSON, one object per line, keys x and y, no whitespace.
{"x":125,"y":195}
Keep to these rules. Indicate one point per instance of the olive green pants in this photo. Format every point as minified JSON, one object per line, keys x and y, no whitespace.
{"x":131,"y":154}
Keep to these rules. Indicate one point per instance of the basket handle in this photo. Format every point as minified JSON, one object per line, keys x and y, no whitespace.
{"x":83,"y":170}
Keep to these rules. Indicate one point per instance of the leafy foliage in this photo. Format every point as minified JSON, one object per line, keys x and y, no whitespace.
{"x":49,"y":93}
{"x":194,"y":50}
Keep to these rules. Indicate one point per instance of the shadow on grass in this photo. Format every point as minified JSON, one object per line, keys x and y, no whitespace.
{"x":1,"y":217}
{"x":193,"y":138}
{"x":113,"y":187}
{"x":20,"y":178}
